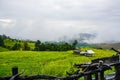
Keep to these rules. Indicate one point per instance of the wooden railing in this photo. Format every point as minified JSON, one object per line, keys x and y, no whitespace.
{"x":99,"y":66}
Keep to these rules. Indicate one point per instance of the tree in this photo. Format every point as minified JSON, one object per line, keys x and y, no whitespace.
{"x":4,"y":36}
{"x":75,"y":43}
{"x":26,"y":46}
{"x":16,"y":46}
{"x":42,"y":47}
{"x":37,"y":45}
{"x":2,"y":42}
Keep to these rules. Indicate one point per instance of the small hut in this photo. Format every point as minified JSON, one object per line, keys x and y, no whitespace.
{"x":88,"y":52}
{"x":77,"y":51}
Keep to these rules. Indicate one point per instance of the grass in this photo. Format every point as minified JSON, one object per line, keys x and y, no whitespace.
{"x":46,"y":62}
{"x":3,"y":49}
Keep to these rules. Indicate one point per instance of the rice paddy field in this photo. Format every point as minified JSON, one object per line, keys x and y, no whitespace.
{"x":46,"y":62}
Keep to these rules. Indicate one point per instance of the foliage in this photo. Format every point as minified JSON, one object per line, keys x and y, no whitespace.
{"x":17,"y":46}
{"x":39,"y":46}
{"x":75,"y":42}
{"x":2,"y":41}
{"x":26,"y":46}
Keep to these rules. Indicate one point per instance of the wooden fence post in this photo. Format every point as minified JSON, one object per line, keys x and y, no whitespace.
{"x":15,"y":72}
{"x":117,"y":71}
{"x":87,"y":77}
{"x":96,"y":76}
{"x":101,"y":76}
{"x":101,"y":73}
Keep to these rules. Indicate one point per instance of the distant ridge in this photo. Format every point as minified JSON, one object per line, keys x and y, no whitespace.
{"x":107,"y":45}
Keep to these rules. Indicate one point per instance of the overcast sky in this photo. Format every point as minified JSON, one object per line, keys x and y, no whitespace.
{"x":48,"y":20}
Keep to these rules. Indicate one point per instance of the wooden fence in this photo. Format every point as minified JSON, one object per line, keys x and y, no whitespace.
{"x":97,"y":68}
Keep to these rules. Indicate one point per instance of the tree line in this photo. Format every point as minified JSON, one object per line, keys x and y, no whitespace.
{"x":38,"y":45}
{"x":64,"y":46}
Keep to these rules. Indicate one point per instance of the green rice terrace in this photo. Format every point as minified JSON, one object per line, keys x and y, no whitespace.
{"x":46,"y":62}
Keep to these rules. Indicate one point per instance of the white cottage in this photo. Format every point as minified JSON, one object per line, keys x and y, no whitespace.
{"x":88,"y":52}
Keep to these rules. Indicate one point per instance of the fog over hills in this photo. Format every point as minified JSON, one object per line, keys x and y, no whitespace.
{"x":54,"y":20}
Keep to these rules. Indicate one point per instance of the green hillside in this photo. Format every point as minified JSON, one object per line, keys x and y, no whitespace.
{"x":3,"y":49}
{"x":11,"y":42}
{"x":46,"y":62}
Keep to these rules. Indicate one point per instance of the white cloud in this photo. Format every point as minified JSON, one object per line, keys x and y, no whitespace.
{"x":51,"y":19}
{"x":7,"y":23}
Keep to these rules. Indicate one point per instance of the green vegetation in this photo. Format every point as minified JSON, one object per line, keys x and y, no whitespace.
{"x":45,"y":62}
{"x":3,"y":49}
{"x":13,"y":44}
{"x":9,"y":42}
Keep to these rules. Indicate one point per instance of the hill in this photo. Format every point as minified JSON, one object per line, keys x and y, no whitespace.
{"x":9,"y":42}
{"x":107,"y":45}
